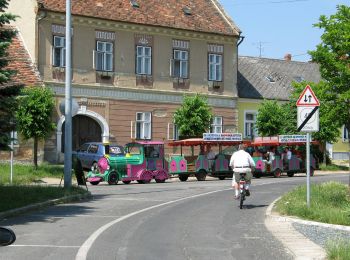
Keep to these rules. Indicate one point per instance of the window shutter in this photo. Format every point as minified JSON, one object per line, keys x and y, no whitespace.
{"x":172,"y":65}
{"x":132,"y":129}
{"x":94,"y":59}
{"x":52,"y":56}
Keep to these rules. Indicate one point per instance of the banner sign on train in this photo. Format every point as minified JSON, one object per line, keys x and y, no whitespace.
{"x":222,"y":136}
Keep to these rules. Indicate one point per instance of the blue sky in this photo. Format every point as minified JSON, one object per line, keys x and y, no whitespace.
{"x":273,"y":28}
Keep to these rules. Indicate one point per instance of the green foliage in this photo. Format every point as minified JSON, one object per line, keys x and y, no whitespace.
{"x":274,"y":119}
{"x":34,"y":115}
{"x":333,"y":56}
{"x":35,"y":112}
{"x":8,"y":91}
{"x":193,"y":118}
{"x":330,"y":203}
{"x":338,"y":249}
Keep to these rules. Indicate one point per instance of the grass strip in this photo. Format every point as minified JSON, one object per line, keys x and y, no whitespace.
{"x":338,"y":250}
{"x":26,"y":173}
{"x":329,"y":203}
{"x":16,"y":196}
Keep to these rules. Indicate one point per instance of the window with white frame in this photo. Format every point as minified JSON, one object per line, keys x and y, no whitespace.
{"x":143,"y":60}
{"x":345,"y":134}
{"x":249,"y":125}
{"x":180,"y":64}
{"x":143,"y":125}
{"x":104,"y":56}
{"x":59,"y":51}
{"x":216,"y":126}
{"x":215,"y":67}
{"x":173,"y":131}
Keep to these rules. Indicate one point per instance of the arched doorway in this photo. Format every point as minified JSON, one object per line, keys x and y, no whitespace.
{"x":84,"y":129}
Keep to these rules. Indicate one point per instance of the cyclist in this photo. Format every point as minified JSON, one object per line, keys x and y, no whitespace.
{"x":241,"y":162}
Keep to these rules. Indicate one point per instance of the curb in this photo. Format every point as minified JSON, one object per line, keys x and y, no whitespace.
{"x":44,"y":204}
{"x":296,"y":243}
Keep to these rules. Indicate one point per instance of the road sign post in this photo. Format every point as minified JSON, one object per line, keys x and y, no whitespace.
{"x":308,"y":121}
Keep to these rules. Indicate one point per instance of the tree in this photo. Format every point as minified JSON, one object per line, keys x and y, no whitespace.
{"x":8,"y":89}
{"x":272,"y":119}
{"x":333,"y":56}
{"x":34,"y":115}
{"x":193,"y":118}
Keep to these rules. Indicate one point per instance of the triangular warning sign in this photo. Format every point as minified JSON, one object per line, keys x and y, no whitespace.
{"x":308,"y":98}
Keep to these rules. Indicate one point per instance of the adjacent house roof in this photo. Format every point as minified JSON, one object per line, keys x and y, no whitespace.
{"x":260,"y":78}
{"x":195,"y":15}
{"x":20,"y":61}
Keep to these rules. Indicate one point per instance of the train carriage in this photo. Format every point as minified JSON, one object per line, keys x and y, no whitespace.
{"x":199,"y":165}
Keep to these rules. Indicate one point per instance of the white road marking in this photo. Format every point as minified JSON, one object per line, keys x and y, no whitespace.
{"x":84,"y":249}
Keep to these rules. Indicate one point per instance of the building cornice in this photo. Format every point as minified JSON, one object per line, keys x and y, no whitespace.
{"x":141,"y":28}
{"x":157,"y":96}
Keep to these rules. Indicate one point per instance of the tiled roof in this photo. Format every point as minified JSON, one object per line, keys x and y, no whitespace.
{"x":19,"y":60}
{"x":206,"y":15}
{"x":260,"y":78}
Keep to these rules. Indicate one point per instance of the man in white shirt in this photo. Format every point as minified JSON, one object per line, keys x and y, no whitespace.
{"x":241,"y":161}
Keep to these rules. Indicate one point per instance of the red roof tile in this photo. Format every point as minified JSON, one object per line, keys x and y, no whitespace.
{"x":206,"y":15}
{"x":19,"y":60}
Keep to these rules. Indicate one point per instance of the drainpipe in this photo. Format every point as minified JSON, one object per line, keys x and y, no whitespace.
{"x":240,"y":40}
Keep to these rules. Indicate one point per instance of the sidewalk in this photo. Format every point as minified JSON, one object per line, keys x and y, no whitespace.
{"x":299,"y":245}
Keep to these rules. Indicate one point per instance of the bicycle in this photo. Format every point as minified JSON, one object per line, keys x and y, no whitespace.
{"x":242,"y":184}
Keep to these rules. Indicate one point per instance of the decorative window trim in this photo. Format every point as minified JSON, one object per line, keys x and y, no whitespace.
{"x":215,"y":48}
{"x":180,"y":44}
{"x":105,"y":36}
{"x":58,"y":29}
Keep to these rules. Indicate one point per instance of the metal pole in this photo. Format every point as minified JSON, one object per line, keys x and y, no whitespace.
{"x":308,"y":169}
{"x":68,"y":103}
{"x":11,"y":164}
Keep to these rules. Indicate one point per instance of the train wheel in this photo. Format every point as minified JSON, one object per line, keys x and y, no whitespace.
{"x":277,"y":173}
{"x":183,"y":177}
{"x":160,"y":176}
{"x":113,"y":178}
{"x":146,"y":177}
{"x":201,"y":175}
{"x":126,"y":182}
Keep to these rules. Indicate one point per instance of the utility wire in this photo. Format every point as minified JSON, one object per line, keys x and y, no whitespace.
{"x":271,"y":2}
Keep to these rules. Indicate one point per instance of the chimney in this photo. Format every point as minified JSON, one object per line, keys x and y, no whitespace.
{"x":288,"y":57}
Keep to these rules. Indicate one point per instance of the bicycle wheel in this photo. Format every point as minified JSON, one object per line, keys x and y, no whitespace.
{"x":241,"y":200}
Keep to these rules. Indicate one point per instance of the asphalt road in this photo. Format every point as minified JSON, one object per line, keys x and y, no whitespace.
{"x":172,"y":220}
